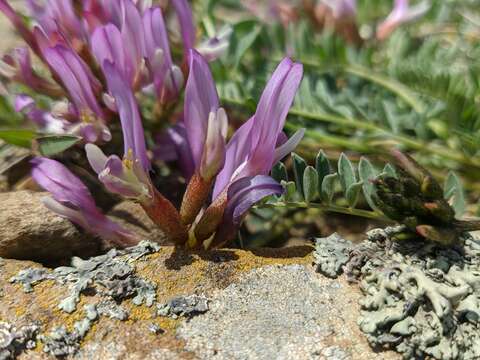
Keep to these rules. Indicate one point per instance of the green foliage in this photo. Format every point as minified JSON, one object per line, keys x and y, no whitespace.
{"x":454,"y":193}
{"x":54,"y":144}
{"x":18,"y":137}
{"x":417,"y":91}
{"x":320,"y":184}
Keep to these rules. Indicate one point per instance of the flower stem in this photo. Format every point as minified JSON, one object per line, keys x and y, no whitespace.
{"x":166,"y":217}
{"x":195,"y":197}
{"x":329,"y":208}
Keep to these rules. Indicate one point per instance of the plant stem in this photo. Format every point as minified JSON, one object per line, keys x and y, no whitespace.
{"x":329,"y":208}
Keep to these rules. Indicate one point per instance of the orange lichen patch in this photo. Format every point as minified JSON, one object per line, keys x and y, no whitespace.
{"x":180,"y":272}
{"x":139,"y":313}
{"x":249,"y":260}
{"x":49,"y":312}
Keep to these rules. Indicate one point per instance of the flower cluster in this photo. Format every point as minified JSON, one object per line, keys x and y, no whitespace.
{"x":104,"y":55}
{"x":339,"y":15}
{"x":77,"y":40}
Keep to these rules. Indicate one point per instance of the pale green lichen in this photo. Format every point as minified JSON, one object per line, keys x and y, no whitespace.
{"x":112,"y":276}
{"x":186,"y":306}
{"x":420,"y":298}
{"x":14,"y":341}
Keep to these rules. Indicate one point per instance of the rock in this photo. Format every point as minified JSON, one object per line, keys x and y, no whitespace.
{"x":131,"y":216}
{"x":420,"y":298}
{"x":279,"y":312}
{"x":303,"y":313}
{"x":32,"y":232}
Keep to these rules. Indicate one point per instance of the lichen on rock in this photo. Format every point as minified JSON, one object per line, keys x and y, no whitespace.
{"x":186,"y":306}
{"x":13,"y":341}
{"x":420,"y":298}
{"x":112,"y":276}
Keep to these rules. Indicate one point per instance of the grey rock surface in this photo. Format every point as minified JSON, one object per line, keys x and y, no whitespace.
{"x":29,"y":231}
{"x":280,"y":312}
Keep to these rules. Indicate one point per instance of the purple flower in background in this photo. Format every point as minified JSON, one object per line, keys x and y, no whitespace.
{"x":253,"y":148}
{"x":185,"y":19}
{"x":82,"y":88}
{"x":128,"y":177}
{"x":43,"y":119}
{"x":72,"y":200}
{"x":55,"y":121}
{"x":167,"y":77}
{"x":342,"y":8}
{"x":19,"y":25}
{"x":402,"y":13}
{"x":55,"y":16}
{"x":17,"y":66}
{"x":173,"y":146}
{"x":215,"y":47}
{"x":108,"y":45}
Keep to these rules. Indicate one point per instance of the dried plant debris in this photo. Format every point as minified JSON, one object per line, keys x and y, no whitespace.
{"x":13,"y":341}
{"x":186,"y":306}
{"x":421,"y":299}
{"x":112,"y":276}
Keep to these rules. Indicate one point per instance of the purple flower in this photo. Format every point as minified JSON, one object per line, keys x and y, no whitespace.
{"x":401,"y":13}
{"x":128,"y":177}
{"x":173,"y":146}
{"x":20,"y":26}
{"x":82,"y":88}
{"x":17,"y":66}
{"x":167,"y":77}
{"x":72,"y":200}
{"x":253,"y":148}
{"x":250,"y":155}
{"x":216,"y":46}
{"x":187,"y":27}
{"x":108,"y":45}
{"x":242,"y":195}
{"x":205,"y":121}
{"x":56,"y":16}
{"x":342,"y":9}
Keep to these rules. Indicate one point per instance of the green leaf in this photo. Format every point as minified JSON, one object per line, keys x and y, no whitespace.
{"x":346,"y":172}
{"x":243,"y":36}
{"x":290,"y":190}
{"x":396,"y":87}
{"x":18,"y":137}
{"x":353,"y":192}
{"x":279,"y":172}
{"x":8,"y":115}
{"x":367,"y":173}
{"x":328,"y":187}
{"x":310,"y":183}
{"x":454,"y":193}
{"x":299,"y":166}
{"x":54,"y":144}
{"x":323,"y":167}
{"x":389,"y":170}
